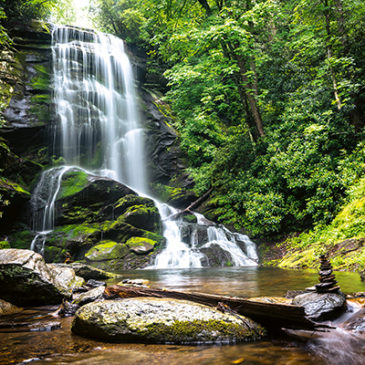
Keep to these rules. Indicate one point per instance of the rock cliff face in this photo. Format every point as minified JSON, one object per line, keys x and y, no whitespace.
{"x":97,"y":220}
{"x":26,"y":114}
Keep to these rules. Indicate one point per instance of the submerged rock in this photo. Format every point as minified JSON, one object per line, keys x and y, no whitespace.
{"x":356,"y":322}
{"x":25,"y":279}
{"x":156,"y":320}
{"x":321,"y":306}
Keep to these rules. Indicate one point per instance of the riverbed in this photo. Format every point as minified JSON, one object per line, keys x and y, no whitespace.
{"x":59,"y":346}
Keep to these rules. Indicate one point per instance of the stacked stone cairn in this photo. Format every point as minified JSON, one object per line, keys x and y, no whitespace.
{"x":327,"y":279}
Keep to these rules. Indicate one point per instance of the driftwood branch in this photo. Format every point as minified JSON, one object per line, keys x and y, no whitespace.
{"x":271,"y":315}
{"x":192,"y":205}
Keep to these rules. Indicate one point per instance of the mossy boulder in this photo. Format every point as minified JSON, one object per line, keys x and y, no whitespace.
{"x":25,"y":279}
{"x":106,"y":250}
{"x":86,"y":198}
{"x":156,"y":320}
{"x":142,"y":216}
{"x":140,"y":245}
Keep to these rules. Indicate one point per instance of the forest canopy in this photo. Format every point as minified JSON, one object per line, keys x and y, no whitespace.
{"x":268,"y":98}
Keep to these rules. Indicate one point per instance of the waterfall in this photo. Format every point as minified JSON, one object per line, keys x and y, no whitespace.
{"x":95,"y":101}
{"x":98,"y":131}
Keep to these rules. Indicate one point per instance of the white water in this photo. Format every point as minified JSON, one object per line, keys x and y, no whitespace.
{"x":98,"y":129}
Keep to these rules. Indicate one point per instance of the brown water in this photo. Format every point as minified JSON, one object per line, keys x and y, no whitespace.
{"x":61,"y":347}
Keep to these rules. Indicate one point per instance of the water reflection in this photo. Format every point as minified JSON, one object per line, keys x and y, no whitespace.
{"x":61,"y":347}
{"x":241,"y":281}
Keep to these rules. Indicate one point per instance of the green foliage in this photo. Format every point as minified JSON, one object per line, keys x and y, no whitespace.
{"x":299,"y":62}
{"x":344,"y":237}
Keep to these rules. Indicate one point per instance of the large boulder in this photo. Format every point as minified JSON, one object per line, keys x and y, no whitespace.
{"x":321,"y":306}
{"x":25,"y":279}
{"x":99,"y":221}
{"x":156,"y":320}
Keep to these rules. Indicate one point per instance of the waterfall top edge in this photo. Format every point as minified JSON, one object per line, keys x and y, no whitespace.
{"x":74,"y":27}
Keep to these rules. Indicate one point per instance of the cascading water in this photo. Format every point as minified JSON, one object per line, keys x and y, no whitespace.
{"x":99,"y":130}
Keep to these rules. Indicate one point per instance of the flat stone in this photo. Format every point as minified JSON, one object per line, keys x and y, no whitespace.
{"x":321,"y":306}
{"x":325,"y":272}
{"x":324,"y":286}
{"x":157,"y":320}
{"x":328,"y":278}
{"x":89,"y":296}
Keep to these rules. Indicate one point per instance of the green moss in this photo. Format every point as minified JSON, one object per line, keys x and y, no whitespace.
{"x":106,"y":250}
{"x":343,"y":239}
{"x":185,"y":331}
{"x":4,"y":244}
{"x":140,"y":241}
{"x":21,"y":239}
{"x":72,"y":183}
{"x":12,"y":186}
{"x":42,"y":79}
{"x":54,"y":254}
{"x":191,"y":218}
{"x":166,"y":193}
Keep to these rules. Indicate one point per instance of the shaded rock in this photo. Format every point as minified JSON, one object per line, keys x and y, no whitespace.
{"x":25,"y":279}
{"x":215,"y":255}
{"x":90,"y":296}
{"x":155,"y":320}
{"x":16,"y":198}
{"x":89,"y":272}
{"x":8,"y":308}
{"x":321,"y":306}
{"x":95,"y":283}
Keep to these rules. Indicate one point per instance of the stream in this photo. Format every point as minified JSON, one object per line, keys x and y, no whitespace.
{"x":22,"y":345}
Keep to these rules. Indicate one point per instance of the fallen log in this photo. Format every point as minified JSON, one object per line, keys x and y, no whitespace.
{"x":192,"y":205}
{"x":270,"y":315}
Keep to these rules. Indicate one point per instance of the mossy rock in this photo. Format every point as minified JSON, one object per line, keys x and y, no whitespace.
{"x":121,"y":232}
{"x":54,"y":254}
{"x":144,"y":217}
{"x":156,"y":320}
{"x":190,"y":218}
{"x":141,"y":245}
{"x":72,"y":182}
{"x":21,"y":239}
{"x":4,"y":244}
{"x":106,"y":250}
{"x":175,"y":196}
{"x":86,"y":198}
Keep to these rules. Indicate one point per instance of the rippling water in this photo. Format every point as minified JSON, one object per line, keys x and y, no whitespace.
{"x":60,"y":347}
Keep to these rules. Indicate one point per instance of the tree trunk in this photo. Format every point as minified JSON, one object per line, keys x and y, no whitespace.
{"x":271,"y":315}
{"x":330,"y":54}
